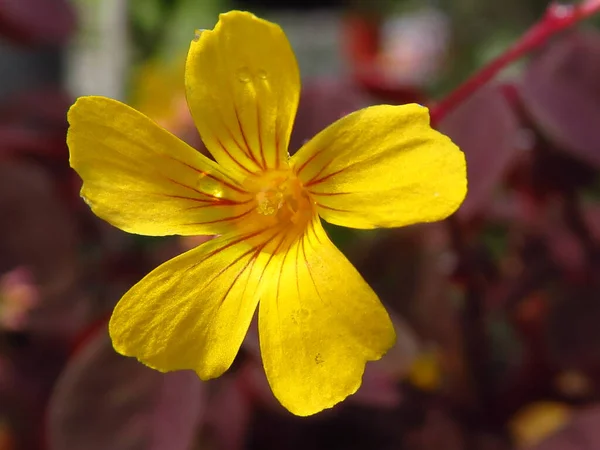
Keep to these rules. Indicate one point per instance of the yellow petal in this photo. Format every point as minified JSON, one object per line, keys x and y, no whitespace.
{"x":243,"y":85}
{"x":194,"y":311}
{"x":383,"y":166}
{"x":319,"y":323}
{"x":144,"y":180}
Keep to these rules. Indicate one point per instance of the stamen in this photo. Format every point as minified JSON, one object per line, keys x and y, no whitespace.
{"x":269,"y":202}
{"x":281,"y":198}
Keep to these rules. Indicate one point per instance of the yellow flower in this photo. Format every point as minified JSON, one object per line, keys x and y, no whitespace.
{"x":319,"y":322}
{"x":159,"y":93}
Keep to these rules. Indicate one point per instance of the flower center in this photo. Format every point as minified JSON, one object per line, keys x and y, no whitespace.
{"x":281,"y":199}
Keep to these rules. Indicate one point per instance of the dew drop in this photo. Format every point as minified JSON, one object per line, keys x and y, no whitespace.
{"x":262,"y":74}
{"x":244,"y":75}
{"x":197,"y":34}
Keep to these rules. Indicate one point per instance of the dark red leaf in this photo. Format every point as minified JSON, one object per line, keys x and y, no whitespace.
{"x":561,"y":92}
{"x":41,"y":108}
{"x":37,"y":22}
{"x":572,"y":331}
{"x":322,"y":102}
{"x":107,"y":401}
{"x":37,"y":233}
{"x":487,"y":130}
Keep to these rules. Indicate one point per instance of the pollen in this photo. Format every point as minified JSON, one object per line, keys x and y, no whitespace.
{"x":281,"y":199}
{"x":269,"y":202}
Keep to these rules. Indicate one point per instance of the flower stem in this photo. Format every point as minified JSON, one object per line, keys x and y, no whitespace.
{"x":557,"y":18}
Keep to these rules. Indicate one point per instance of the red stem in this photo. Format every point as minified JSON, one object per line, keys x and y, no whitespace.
{"x":558,"y":17}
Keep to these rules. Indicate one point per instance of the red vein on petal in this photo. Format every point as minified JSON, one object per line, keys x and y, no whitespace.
{"x":250,"y":269}
{"x":226,"y":268}
{"x":312,"y":157}
{"x":315,"y":181}
{"x":232,"y":157}
{"x":236,"y":187}
{"x":298,"y":265}
{"x":218,"y":204}
{"x":252,"y":157}
{"x":321,"y":170}
{"x":225,"y":219}
{"x":256,"y":251}
{"x":330,"y":194}
{"x":305,"y":163}
{"x":234,"y":242}
{"x":191,"y":188}
{"x":333,"y":209}
{"x":287,"y":251}
{"x":277,"y":149}
{"x":239,"y":258}
{"x":256,"y":257}
{"x":282,"y":231}
{"x":219,"y":250}
{"x":243,"y":151}
{"x":207,"y":174}
{"x":210,"y":175}
{"x":211,"y":205}
{"x":214,"y":201}
{"x":183,"y":197}
{"x":314,"y":230}
{"x":309,"y":272}
{"x":238,"y":145}
{"x":260,"y":142}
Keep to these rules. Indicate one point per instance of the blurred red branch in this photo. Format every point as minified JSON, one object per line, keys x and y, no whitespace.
{"x":558,"y":17}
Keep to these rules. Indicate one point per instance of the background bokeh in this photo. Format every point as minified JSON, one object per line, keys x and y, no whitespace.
{"x":497,"y":309}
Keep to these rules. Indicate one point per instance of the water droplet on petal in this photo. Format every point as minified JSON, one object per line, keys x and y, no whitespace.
{"x":262,"y":74}
{"x":244,"y":75}
{"x":197,"y":34}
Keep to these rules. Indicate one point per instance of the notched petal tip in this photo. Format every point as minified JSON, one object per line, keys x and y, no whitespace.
{"x":299,"y":407}
{"x":242,"y":87}
{"x":316,"y":343}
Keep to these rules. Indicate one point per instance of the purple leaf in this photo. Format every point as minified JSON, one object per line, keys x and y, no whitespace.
{"x":37,"y":234}
{"x":322,"y":102}
{"x":107,"y":401}
{"x":561,"y":92}
{"x":486,"y":129}
{"x":36,"y":22}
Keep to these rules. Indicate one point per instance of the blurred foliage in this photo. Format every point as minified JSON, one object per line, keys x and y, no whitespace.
{"x":496,"y":309}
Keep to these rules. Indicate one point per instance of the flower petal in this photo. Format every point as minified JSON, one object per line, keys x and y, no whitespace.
{"x":194,"y":311}
{"x":243,"y":85}
{"x":319,"y":323}
{"x":383,"y":166}
{"x":144,"y":180}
